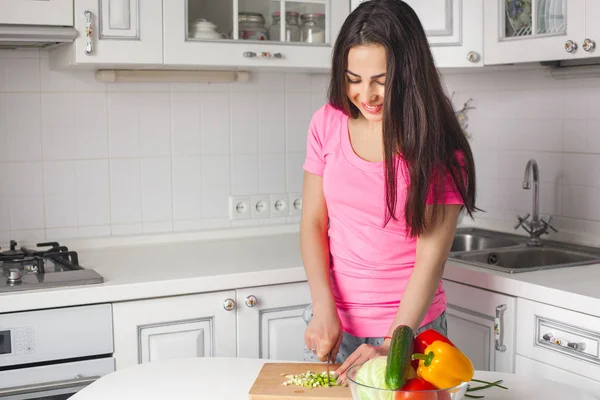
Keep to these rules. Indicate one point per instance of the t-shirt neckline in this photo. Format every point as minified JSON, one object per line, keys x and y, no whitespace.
{"x":350,"y":154}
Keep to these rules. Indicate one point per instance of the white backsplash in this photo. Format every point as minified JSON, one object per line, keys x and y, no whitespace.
{"x":524,"y":114}
{"x":84,"y":159}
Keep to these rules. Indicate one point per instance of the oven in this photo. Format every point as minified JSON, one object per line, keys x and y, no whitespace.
{"x":52,"y":354}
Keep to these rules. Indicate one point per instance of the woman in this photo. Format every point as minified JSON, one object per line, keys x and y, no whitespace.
{"x":387,"y":171}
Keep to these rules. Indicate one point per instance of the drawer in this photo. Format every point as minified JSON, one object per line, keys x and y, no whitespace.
{"x":536,"y":369}
{"x":563,"y":338}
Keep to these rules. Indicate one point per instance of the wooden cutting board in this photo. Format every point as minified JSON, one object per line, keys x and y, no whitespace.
{"x":269,"y":383}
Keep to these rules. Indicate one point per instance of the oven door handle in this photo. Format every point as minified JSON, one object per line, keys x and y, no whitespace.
{"x":42,"y":387}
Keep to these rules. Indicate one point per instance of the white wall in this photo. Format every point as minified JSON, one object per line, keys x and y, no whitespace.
{"x":103,"y":160}
{"x":528,"y":114}
{"x":84,"y":159}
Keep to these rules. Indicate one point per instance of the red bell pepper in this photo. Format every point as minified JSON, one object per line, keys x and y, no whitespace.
{"x":426,"y":338}
{"x":420,"y":389}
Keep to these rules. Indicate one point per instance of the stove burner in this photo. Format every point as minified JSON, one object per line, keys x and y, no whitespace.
{"x":41,"y":267}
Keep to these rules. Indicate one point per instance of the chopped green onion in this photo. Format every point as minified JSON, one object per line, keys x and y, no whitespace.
{"x":309,"y":379}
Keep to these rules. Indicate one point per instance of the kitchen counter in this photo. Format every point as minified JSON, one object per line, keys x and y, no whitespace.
{"x":166,"y":268}
{"x":232,"y":378}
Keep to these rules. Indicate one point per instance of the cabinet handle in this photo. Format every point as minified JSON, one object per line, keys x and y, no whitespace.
{"x":251,"y":301}
{"x":589,"y":45}
{"x":473,"y":56}
{"x":88,"y":32}
{"x":229,"y":304}
{"x":262,"y":54}
{"x":499,"y":327}
{"x":549,"y":337}
{"x":570,"y":46}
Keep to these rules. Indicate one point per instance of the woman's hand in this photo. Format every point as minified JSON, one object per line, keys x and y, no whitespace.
{"x":364,"y":353}
{"x":324,"y":334}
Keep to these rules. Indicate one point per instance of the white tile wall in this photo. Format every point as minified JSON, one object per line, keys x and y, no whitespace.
{"x":84,"y":159}
{"x":527,"y":114}
{"x":143,"y":158}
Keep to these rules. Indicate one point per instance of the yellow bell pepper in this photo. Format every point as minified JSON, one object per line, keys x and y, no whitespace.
{"x":444,"y":365}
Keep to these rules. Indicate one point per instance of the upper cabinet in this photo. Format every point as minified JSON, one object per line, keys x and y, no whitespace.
{"x":454,"y":29}
{"x":251,"y":33}
{"x":114,"y":32}
{"x":540,"y":30}
{"x":35,"y":12}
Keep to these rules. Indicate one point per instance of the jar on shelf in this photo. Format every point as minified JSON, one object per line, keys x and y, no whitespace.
{"x":292,"y":27}
{"x":251,"y":26}
{"x":313,"y":28}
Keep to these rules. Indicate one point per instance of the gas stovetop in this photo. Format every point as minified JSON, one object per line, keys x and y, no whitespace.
{"x":48,"y":265}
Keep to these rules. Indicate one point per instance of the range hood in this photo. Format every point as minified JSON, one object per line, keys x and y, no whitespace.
{"x":34,"y":36}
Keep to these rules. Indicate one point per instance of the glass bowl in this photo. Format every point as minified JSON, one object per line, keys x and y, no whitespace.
{"x":364,"y":392}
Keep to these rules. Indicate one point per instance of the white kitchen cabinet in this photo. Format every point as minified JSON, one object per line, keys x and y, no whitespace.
{"x":535,"y":369}
{"x":454,"y":29}
{"x":199,"y":325}
{"x":242,"y":47}
{"x":482,"y":324}
{"x":558,"y":337}
{"x":124,"y":33}
{"x":270,"y":323}
{"x":35,"y":12}
{"x":539,"y":30}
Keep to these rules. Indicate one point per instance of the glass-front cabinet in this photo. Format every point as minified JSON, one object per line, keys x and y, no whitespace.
{"x":537,"y":30}
{"x":252,"y":33}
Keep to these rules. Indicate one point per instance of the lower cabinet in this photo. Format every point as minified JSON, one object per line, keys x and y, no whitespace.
{"x":270,"y":322}
{"x":199,"y":325}
{"x":525,"y":366}
{"x":257,"y":322}
{"x":561,"y":344}
{"x":482,"y":324}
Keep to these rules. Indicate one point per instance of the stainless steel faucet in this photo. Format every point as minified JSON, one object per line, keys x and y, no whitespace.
{"x":537,"y":227}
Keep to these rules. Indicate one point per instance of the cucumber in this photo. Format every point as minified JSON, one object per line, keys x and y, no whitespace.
{"x":399,"y":358}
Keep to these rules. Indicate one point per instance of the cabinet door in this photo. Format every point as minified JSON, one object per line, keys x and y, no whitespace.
{"x":270,"y":323}
{"x":124,"y":32}
{"x":35,"y":12}
{"x":592,"y":34}
{"x":539,"y":30}
{"x":454,"y":29}
{"x":221,"y":40}
{"x":174,"y":327}
{"x":531,"y":368}
{"x":482,"y":324}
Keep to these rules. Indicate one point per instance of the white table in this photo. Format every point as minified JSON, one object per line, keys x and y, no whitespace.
{"x":232,"y":378}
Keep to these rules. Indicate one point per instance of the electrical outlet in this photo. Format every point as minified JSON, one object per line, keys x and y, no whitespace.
{"x":239,"y":207}
{"x":260,"y":206}
{"x":295,"y":204}
{"x":279,"y":205}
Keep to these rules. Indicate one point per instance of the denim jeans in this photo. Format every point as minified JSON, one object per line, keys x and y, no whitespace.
{"x":350,"y":342}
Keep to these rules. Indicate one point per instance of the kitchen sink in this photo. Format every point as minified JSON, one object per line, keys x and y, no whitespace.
{"x":510,"y":253}
{"x":473,"y":242}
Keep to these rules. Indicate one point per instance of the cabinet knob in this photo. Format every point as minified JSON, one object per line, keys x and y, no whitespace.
{"x":499,"y":328}
{"x":88,"y":32}
{"x":251,"y":301}
{"x":473,"y":56}
{"x":229,"y":304}
{"x":570,"y":46}
{"x":589,"y":45}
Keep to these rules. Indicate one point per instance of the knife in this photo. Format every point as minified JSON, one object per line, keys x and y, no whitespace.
{"x":328,"y":376}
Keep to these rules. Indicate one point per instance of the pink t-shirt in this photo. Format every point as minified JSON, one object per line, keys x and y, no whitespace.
{"x":370,"y":263}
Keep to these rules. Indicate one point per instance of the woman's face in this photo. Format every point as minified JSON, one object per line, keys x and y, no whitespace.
{"x":365,"y":79}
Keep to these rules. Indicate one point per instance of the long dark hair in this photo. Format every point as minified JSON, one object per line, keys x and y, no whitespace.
{"x":419,"y":122}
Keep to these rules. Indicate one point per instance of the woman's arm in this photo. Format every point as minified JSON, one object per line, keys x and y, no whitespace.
{"x":324,"y":330}
{"x":433,"y":247}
